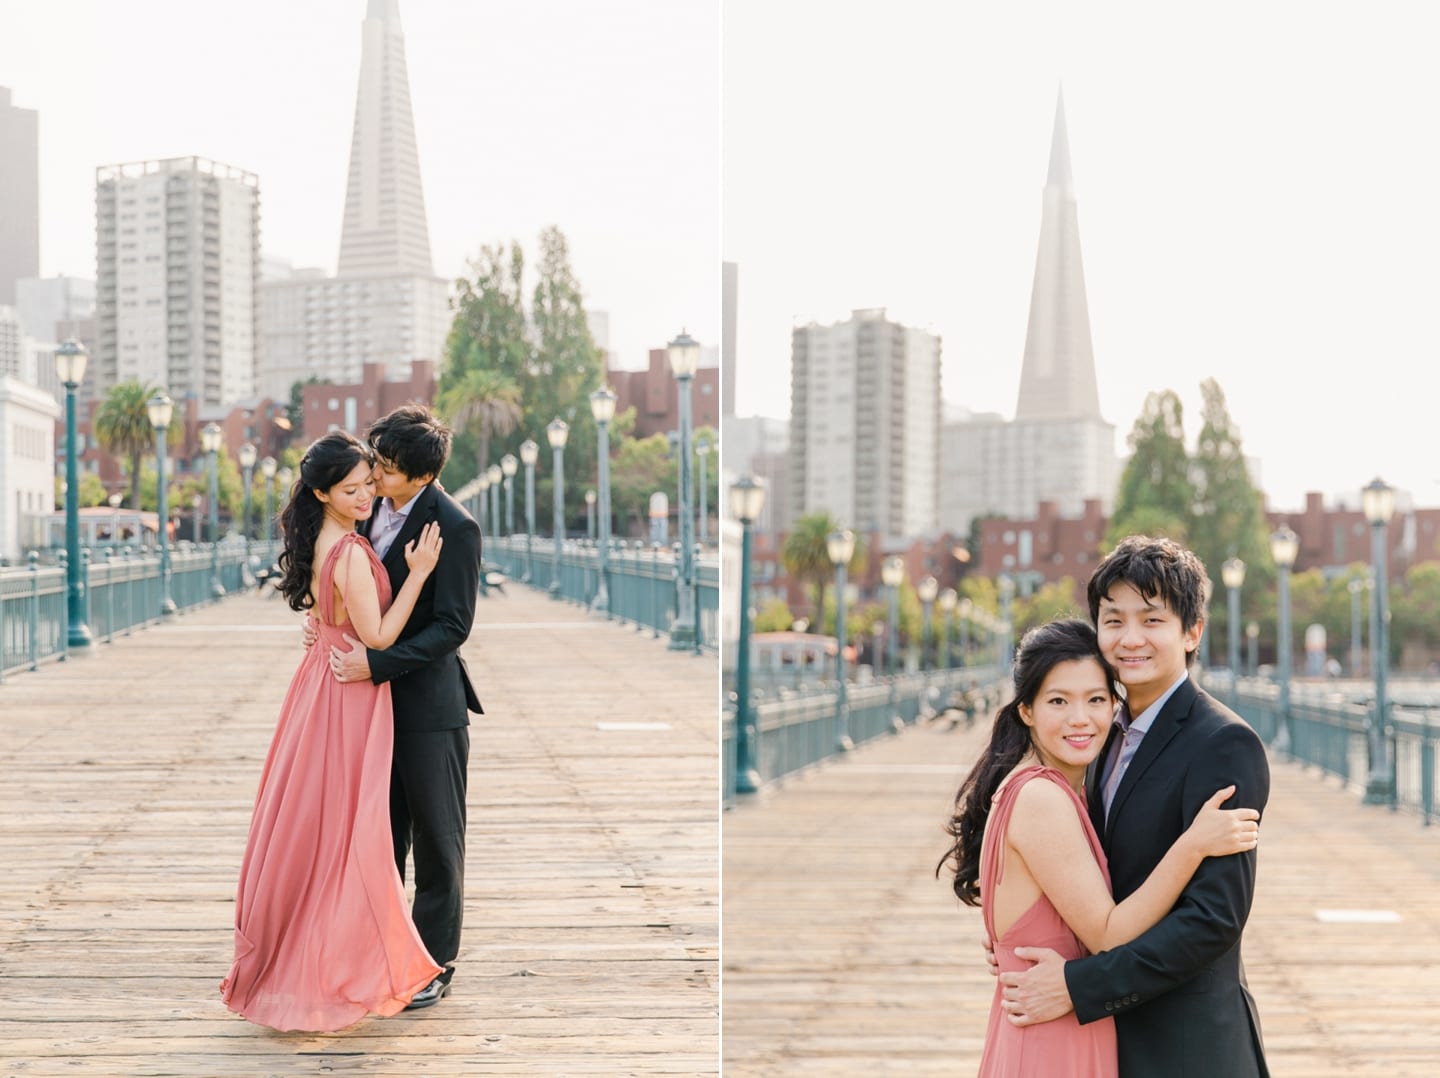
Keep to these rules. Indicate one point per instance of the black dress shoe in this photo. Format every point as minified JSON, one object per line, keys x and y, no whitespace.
{"x":431,"y":994}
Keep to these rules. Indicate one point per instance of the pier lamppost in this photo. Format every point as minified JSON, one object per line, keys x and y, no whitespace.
{"x":482,"y":503}
{"x":496,"y":477}
{"x":509,"y":465}
{"x":840,"y":545}
{"x":1232,"y":572}
{"x":557,"y":434}
{"x":1378,"y":499}
{"x":529,"y":454}
{"x":964,"y":608}
{"x":947,"y":601}
{"x":1252,"y":647}
{"x":747,"y":499}
{"x":892,"y":575}
{"x":602,"y":409}
{"x":160,"y":408}
{"x":590,"y":515}
{"x":248,"y":455}
{"x":684,"y":353}
{"x":211,"y":439}
{"x":268,"y":467}
{"x":927,"y":589}
{"x":70,"y":360}
{"x":1284,"y":546}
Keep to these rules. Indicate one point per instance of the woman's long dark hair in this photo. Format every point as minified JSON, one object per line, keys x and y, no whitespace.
{"x":1041,"y":650}
{"x":328,"y":461}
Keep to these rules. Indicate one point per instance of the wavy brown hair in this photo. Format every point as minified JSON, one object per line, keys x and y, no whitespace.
{"x":327,"y":462}
{"x":1041,"y":650}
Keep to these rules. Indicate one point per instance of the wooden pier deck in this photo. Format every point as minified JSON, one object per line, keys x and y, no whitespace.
{"x":843,"y":955}
{"x":592,"y":907}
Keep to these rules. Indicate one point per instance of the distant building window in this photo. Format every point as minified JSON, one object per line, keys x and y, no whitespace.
{"x":334,"y":405}
{"x":1027,"y":545}
{"x":351,"y":416}
{"x":1008,"y":539}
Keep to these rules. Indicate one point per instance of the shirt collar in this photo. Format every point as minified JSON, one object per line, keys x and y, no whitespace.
{"x":1142,"y":722}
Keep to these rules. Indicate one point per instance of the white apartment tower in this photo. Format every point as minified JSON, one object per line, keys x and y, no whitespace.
{"x":384,"y":305}
{"x":1058,"y":448}
{"x":177,"y":265}
{"x":865,"y":424}
{"x":19,"y":195}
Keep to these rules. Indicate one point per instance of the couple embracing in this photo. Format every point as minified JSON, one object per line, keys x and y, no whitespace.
{"x":368,"y":761}
{"x":1113,"y":885}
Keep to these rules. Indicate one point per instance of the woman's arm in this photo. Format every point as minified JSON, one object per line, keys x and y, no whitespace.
{"x":356,"y":584}
{"x":1047,"y":833}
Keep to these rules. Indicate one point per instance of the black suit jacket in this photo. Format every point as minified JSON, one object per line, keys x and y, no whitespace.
{"x":1178,"y":993}
{"x":429,"y":682}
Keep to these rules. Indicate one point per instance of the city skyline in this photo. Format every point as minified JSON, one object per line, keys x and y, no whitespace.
{"x":1244,"y":213}
{"x":526,"y":116}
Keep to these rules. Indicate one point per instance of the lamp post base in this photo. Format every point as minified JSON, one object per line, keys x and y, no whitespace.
{"x":217,"y":590}
{"x":554,"y":589}
{"x":844,"y":744}
{"x":682,"y":636}
{"x":747,"y":782}
{"x":1379,"y":790}
{"x":79,"y":637}
{"x":168,"y":608}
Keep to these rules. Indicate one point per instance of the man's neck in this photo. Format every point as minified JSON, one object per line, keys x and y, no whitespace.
{"x":397,"y":504}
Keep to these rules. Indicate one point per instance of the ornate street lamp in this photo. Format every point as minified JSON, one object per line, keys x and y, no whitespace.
{"x":529,"y":454}
{"x":160,"y":409}
{"x":482,"y":503}
{"x":247,"y":455}
{"x":927,"y":589}
{"x":1356,"y":588}
{"x":1232,"y":572}
{"x":964,"y":609}
{"x":496,"y":477}
{"x":115,"y":500}
{"x":602,"y":408}
{"x":70,"y":360}
{"x":1252,"y":647}
{"x":211,"y":439}
{"x":947,"y":600}
{"x":1378,"y":499}
{"x":1284,"y":546}
{"x":508,"y":467}
{"x":892,"y":574}
{"x":684,"y":353}
{"x":268,"y":467}
{"x":557,"y":433}
{"x":747,"y":499}
{"x":840,"y":546}
{"x":590,"y":515}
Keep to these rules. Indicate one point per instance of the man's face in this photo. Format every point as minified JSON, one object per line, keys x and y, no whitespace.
{"x":392,"y":483}
{"x":1144,"y":642}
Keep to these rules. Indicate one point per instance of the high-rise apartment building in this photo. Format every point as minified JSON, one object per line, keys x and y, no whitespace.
{"x":19,"y":195}
{"x":865,"y":424}
{"x":384,"y":305}
{"x":177,"y":261}
{"x":729,"y":322}
{"x":1058,"y":448}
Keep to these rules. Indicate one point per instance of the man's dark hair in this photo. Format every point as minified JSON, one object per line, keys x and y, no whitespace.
{"x":1153,"y":567}
{"x":413,"y":439}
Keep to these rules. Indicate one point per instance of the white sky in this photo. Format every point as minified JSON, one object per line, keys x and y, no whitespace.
{"x":602,"y":118}
{"x":1256,"y":186}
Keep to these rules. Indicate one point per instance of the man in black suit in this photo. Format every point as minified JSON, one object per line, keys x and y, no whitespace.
{"x":429,"y":683}
{"x":1178,"y":994}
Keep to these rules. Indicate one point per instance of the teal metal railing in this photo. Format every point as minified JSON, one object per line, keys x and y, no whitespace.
{"x":641,"y":580}
{"x":122,"y":593}
{"x":1328,"y":730}
{"x":801,"y":727}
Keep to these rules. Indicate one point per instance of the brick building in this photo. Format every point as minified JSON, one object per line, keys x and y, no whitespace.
{"x":654,"y":393}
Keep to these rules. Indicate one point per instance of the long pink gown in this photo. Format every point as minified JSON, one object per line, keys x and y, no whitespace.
{"x":323,"y":936}
{"x":1062,"y":1048}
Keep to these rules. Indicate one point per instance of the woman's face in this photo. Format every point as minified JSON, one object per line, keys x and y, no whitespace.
{"x":352,"y":498}
{"x":1071,"y":715}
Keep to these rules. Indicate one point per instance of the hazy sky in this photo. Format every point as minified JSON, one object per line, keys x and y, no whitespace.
{"x":602,"y":118}
{"x":1256,"y":187}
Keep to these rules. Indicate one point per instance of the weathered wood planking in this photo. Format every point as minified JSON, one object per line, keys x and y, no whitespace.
{"x":843,"y":955}
{"x":592,"y":900}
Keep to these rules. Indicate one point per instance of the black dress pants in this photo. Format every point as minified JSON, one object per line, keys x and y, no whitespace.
{"x":427,"y":819}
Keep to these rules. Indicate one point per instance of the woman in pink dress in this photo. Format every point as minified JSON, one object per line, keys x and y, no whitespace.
{"x":1026,"y":852}
{"x":323,"y":935}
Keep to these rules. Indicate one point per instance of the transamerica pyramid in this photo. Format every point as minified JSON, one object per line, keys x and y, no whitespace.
{"x":1057,"y":380}
{"x":384,"y":230}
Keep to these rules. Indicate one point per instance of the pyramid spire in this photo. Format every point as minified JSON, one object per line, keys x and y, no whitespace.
{"x":384,"y":230}
{"x":1057,"y":379}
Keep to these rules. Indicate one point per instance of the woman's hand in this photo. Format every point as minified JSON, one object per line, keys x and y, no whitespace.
{"x":1218,"y":832}
{"x":424,"y":550}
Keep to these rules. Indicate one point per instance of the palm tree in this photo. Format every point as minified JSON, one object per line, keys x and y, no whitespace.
{"x":122,"y":428}
{"x":487,"y":402}
{"x":806,"y":557}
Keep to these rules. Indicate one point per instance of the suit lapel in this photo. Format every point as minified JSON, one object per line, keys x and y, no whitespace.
{"x":1165,"y":727}
{"x":1094,"y":797}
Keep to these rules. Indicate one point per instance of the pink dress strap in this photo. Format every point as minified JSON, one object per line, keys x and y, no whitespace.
{"x":325,"y":600}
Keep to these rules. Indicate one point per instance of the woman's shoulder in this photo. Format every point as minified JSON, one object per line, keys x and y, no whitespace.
{"x":1046,"y":799}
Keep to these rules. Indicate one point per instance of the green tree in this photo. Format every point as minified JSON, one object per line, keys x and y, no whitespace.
{"x":485,"y":404}
{"x":1048,"y":602}
{"x":122,"y":428}
{"x":1156,"y":495}
{"x":1415,"y":612}
{"x":806,"y":556}
{"x":295,"y":409}
{"x":774,"y":617}
{"x":641,"y":466}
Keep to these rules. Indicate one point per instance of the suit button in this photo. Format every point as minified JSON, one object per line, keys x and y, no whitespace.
{"x":1109,"y":1006}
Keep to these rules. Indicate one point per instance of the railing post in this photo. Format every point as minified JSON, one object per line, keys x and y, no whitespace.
{"x":109,"y":595}
{"x":34,"y":610}
{"x":1427,"y":769}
